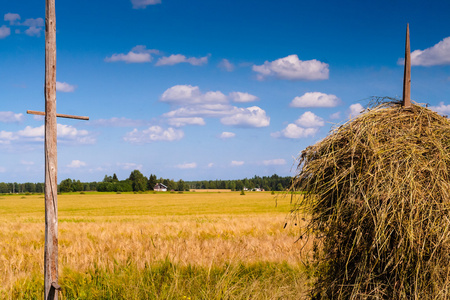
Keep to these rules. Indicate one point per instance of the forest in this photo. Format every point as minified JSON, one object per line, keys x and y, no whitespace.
{"x":138,"y":182}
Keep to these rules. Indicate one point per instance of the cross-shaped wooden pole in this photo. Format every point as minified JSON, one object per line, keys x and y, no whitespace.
{"x":51,"y":164}
{"x":407,"y":73}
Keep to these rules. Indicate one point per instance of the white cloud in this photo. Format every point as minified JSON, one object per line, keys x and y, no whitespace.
{"x":226,"y":65}
{"x":153,"y":134}
{"x":441,"y":109}
{"x":335,"y":115}
{"x":65,"y":133}
{"x":274,"y":162}
{"x":4,"y":31}
{"x":26,"y":163}
{"x":141,"y":4}
{"x":355,"y":110}
{"x":292,"y":131}
{"x":210,"y":165}
{"x":315,"y":99}
{"x":242,"y":97}
{"x":187,"y":166}
{"x":33,"y":31}
{"x":179,"y":122}
{"x":179,"y":58}
{"x":130,"y":166}
{"x":38,"y":22}
{"x":237,"y":163}
{"x":10,"y":117}
{"x":75,"y":164}
{"x":439,"y":54}
{"x":227,"y":135}
{"x":6,"y":137}
{"x":247,"y":117}
{"x":188,"y":94}
{"x":11,"y":18}
{"x":64,"y":87}
{"x":2,"y":170}
{"x":193,"y":103}
{"x":291,"y":68}
{"x":138,"y":54}
{"x":309,"y":119}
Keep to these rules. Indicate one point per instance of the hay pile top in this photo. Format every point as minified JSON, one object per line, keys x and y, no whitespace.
{"x":377,"y":197}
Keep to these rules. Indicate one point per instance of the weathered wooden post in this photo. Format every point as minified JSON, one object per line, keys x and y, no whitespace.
{"x":407,"y":73}
{"x":51,"y":164}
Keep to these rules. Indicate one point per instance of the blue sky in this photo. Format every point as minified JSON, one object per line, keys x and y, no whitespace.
{"x":206,"y":89}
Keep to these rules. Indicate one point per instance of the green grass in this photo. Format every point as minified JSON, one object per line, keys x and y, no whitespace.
{"x":165,"y":280}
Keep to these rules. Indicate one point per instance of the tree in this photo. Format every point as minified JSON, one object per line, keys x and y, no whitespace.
{"x":151,"y":182}
{"x":182,"y":186}
{"x":65,"y":186}
{"x":114,"y":178}
{"x":138,"y":181}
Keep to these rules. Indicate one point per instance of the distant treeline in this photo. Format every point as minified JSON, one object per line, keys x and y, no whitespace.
{"x":138,"y":182}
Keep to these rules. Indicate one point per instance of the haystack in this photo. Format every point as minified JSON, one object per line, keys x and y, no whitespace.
{"x":376,"y":193}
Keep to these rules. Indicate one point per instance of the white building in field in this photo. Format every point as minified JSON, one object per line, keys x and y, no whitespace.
{"x":159,"y":187}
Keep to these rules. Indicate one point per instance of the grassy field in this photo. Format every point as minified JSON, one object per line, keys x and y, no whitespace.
{"x":209,"y":245}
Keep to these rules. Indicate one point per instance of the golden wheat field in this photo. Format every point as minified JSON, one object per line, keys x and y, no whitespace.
{"x":100,"y":231}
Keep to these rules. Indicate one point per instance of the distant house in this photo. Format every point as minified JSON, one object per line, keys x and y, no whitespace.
{"x":159,"y":187}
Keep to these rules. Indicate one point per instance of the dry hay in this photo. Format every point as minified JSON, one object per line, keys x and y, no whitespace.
{"x":376,"y":193}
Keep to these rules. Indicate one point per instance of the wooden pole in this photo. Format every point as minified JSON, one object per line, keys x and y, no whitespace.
{"x":41,"y":113}
{"x":407,"y":73}
{"x":51,"y":165}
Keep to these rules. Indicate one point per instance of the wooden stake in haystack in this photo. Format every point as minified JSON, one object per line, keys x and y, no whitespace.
{"x":407,"y":73}
{"x":51,"y":164}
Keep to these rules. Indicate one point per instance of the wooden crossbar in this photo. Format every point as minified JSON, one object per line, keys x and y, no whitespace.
{"x":41,"y":113}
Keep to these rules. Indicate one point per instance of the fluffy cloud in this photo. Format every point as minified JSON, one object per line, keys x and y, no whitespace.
{"x":153,"y":134}
{"x":66,"y":134}
{"x":11,"y":18}
{"x":439,"y":54}
{"x":192,"y":103}
{"x":26,"y":163}
{"x":293,"y":131}
{"x":6,"y":137}
{"x":4,"y":32}
{"x":242,"y":97}
{"x":335,"y":115}
{"x":247,"y":117}
{"x":179,"y":58}
{"x":187,"y":166}
{"x":226,"y":65}
{"x":10,"y":117}
{"x":64,"y":87}
{"x":141,"y":4}
{"x":274,"y":162}
{"x":138,"y":54}
{"x":355,"y":110}
{"x":187,"y":94}
{"x":179,"y":122}
{"x":35,"y":26}
{"x":309,"y":119}
{"x":237,"y":163}
{"x":315,"y":99}
{"x":75,"y":164}
{"x":227,"y":135}
{"x":33,"y":31}
{"x":130,"y":166}
{"x":441,"y":109}
{"x":291,"y":68}
{"x":38,"y":22}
